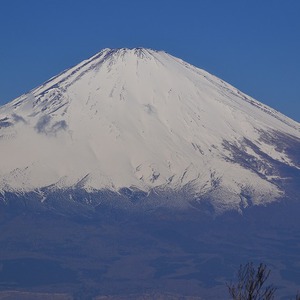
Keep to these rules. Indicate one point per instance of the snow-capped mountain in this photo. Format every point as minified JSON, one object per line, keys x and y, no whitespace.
{"x":143,"y":120}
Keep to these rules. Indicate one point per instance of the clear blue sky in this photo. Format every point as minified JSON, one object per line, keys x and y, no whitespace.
{"x":252,"y":44}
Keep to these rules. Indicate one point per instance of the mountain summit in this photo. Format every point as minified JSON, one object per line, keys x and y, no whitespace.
{"x":139,"y":120}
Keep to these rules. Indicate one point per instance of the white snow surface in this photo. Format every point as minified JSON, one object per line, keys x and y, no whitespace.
{"x":137,"y":118}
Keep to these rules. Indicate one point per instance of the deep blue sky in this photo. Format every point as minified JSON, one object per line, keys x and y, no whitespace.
{"x":252,"y":44}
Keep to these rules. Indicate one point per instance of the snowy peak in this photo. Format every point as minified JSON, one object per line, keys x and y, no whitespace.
{"x":143,"y":119}
{"x":135,"y":67}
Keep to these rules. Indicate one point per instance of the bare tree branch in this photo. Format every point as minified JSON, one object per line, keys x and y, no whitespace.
{"x":250,"y":284}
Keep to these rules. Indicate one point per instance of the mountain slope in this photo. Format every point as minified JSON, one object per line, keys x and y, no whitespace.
{"x":145,"y":120}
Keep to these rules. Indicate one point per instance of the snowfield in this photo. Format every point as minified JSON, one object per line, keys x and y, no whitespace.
{"x":143,"y":119}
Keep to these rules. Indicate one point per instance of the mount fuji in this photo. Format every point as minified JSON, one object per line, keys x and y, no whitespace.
{"x":140,"y":128}
{"x":135,"y":175}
